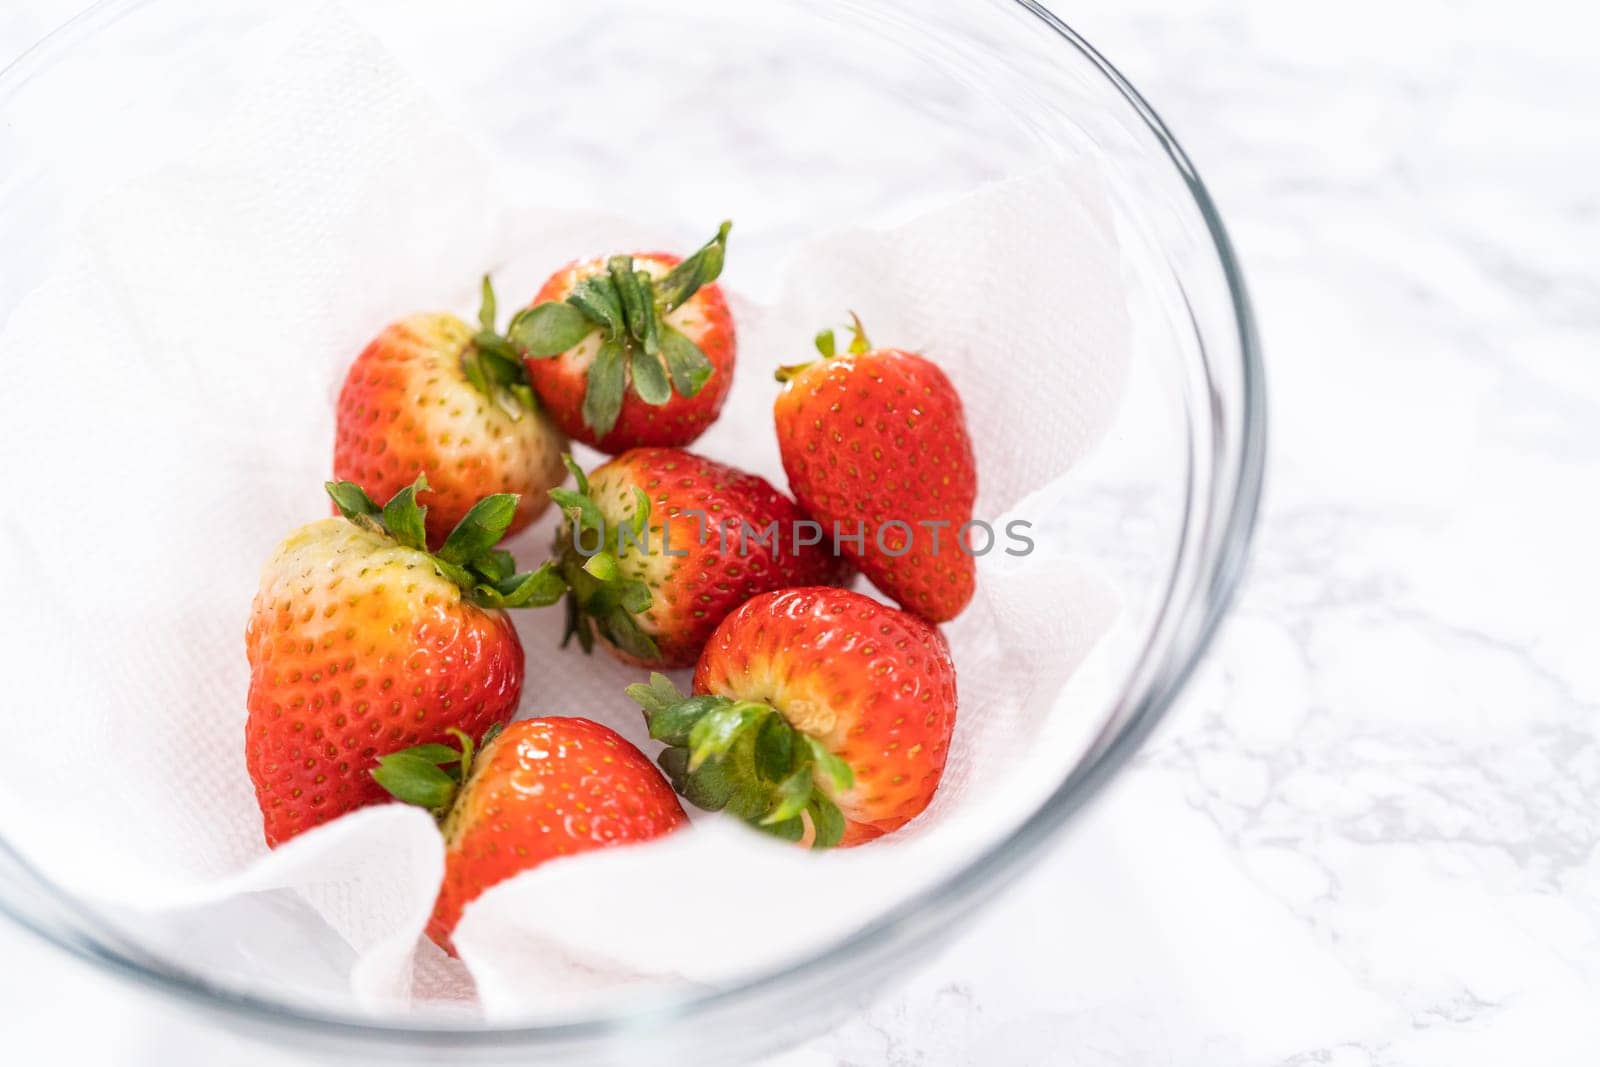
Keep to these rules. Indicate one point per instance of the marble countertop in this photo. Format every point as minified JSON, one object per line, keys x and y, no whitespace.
{"x":1368,"y":834}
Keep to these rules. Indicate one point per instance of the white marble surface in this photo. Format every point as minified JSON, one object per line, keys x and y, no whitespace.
{"x":1368,"y":835}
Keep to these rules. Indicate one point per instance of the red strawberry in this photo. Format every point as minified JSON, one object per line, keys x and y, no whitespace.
{"x":820,"y":715}
{"x":660,"y":544}
{"x":361,"y":643}
{"x":538,"y":790}
{"x":432,"y":396}
{"x":875,"y":445}
{"x":632,"y":350}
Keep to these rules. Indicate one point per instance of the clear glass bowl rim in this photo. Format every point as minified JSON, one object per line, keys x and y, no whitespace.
{"x":1234,"y":500}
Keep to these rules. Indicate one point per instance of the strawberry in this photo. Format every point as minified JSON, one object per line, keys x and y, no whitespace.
{"x":431,"y":395}
{"x":632,"y":350}
{"x":660,"y":544}
{"x":362,"y":643}
{"x":819,"y":715}
{"x":875,"y":446}
{"x":537,"y":790}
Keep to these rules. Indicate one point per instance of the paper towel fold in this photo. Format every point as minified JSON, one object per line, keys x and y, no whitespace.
{"x":219,"y":300}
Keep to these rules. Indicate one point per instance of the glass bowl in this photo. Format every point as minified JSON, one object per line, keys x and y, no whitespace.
{"x":787,"y":116}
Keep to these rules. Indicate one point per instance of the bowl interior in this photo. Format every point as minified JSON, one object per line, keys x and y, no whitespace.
{"x":791,"y":118}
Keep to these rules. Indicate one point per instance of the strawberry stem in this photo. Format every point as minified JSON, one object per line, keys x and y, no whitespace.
{"x":790,"y":371}
{"x":859,"y":345}
{"x":745,"y":757}
{"x":492,"y":362}
{"x":828,"y":345}
{"x":432,"y":776}
{"x":487,"y":575}
{"x":640,"y":352}
{"x":600,"y":595}
{"x":466,"y":749}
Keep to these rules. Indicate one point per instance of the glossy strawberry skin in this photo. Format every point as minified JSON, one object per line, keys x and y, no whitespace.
{"x":878,"y":438}
{"x":562,"y":380}
{"x":357,"y":649}
{"x":875,"y":685}
{"x":694,"y":591}
{"x":543,"y":789}
{"x":407,"y":408}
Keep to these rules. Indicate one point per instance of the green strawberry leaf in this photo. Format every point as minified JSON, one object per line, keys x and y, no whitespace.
{"x":480,"y":529}
{"x":659,"y":695}
{"x":650,"y":378}
{"x":486,"y":310}
{"x":672,"y":724}
{"x":652,"y":323}
{"x":640,"y":519}
{"x":535,"y":589}
{"x":352,"y":500}
{"x":597,"y":297}
{"x":634,"y":596}
{"x":603,"y":566}
{"x":835,"y":770}
{"x":472,"y":365}
{"x":859,"y":345}
{"x":789,"y":371}
{"x":792,"y":796}
{"x":622,"y":630}
{"x":486,"y":596}
{"x":720,"y":727}
{"x":581,"y":508}
{"x":495,"y":565}
{"x":709,"y":789}
{"x":828,"y":345}
{"x":506,"y":362}
{"x":700,"y":269}
{"x":745,"y":758}
{"x":826,"y":820}
{"x":493,"y":364}
{"x":405,"y":519}
{"x":674,"y":763}
{"x":415,"y":780}
{"x":791,"y":830}
{"x":460,"y":575}
{"x":434,"y":753}
{"x":577,"y":473}
{"x":638,"y":309}
{"x":549,"y":329}
{"x":686,"y":363}
{"x":603,"y":596}
{"x":774,"y":750}
{"x":524,"y":396}
{"x":602,"y":401}
{"x":486,"y":575}
{"x":579,"y":625}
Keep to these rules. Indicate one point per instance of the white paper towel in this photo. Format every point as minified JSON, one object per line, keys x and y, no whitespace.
{"x":201,"y":321}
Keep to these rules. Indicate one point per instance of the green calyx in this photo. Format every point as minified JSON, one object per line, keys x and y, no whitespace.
{"x":493,"y":364}
{"x":827,"y":344}
{"x":600,"y":598}
{"x":744,"y":757}
{"x":430,"y":776}
{"x":487,"y":575}
{"x":638,"y":349}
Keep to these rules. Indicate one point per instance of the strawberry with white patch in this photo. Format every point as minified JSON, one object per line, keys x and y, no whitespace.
{"x":433,"y":396}
{"x":660,"y":544}
{"x":362,"y":642}
{"x":818,"y":715}
{"x":628,"y":351}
